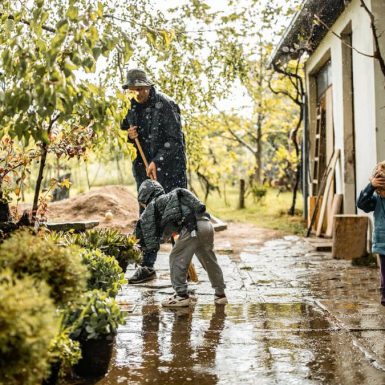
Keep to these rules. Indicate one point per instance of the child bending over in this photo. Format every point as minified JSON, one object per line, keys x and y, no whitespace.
{"x":180,"y":212}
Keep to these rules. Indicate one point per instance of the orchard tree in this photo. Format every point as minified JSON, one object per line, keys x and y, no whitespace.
{"x":62,"y":64}
{"x":43,"y":98}
{"x":49,"y":47}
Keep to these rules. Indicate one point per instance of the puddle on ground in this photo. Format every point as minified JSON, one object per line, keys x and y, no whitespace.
{"x":260,"y":343}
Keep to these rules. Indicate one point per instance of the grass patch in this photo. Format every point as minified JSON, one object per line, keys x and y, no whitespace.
{"x":269,"y":212}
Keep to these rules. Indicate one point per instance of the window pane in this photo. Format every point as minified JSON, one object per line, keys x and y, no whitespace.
{"x":324,"y":79}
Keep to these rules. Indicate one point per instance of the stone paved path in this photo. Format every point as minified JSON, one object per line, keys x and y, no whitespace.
{"x":295,"y":316}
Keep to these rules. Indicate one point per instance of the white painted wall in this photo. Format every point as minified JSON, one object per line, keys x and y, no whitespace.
{"x":379,"y":11}
{"x":368,"y":113}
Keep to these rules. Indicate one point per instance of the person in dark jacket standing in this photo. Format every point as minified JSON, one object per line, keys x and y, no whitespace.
{"x":155,"y":120}
{"x":183,"y":213}
{"x":372,"y":198}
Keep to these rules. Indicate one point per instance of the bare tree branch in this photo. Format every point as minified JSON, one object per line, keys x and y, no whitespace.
{"x":342,"y":39}
{"x":377,"y":52}
{"x":283,"y":92}
{"x":236,"y":136}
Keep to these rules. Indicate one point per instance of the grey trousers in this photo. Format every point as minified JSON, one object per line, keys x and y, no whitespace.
{"x":203,"y":247}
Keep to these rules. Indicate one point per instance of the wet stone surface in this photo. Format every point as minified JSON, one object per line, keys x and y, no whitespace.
{"x":295,"y":316}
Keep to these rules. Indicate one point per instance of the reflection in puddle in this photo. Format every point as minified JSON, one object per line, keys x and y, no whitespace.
{"x":265,"y":343}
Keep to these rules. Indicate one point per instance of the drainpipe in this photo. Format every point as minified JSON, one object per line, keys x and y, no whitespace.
{"x":305,"y":158}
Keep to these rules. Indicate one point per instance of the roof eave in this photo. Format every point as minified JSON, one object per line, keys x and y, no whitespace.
{"x":305,"y":33}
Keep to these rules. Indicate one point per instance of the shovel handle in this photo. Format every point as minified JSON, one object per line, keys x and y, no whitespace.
{"x":139,"y":147}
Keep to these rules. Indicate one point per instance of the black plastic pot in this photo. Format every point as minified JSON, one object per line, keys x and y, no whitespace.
{"x":54,"y":374}
{"x":96,"y":356}
{"x":123,"y":264}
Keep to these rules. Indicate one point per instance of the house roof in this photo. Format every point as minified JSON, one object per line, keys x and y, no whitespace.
{"x":308,"y":28}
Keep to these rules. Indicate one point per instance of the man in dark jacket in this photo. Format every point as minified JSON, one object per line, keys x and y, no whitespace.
{"x":155,"y":120}
{"x":180,"y":212}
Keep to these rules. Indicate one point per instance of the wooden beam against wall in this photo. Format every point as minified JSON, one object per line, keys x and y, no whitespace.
{"x":329,"y":181}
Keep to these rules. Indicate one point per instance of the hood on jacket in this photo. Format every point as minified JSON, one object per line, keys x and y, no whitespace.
{"x":149,"y":190}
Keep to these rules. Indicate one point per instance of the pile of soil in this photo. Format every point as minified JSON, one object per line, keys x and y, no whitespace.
{"x":93,"y":205}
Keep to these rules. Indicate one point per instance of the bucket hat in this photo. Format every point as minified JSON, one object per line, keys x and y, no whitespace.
{"x":137,"y":78}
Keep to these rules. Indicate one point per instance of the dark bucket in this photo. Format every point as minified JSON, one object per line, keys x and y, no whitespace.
{"x":54,"y":374}
{"x":123,"y":265}
{"x":96,"y":356}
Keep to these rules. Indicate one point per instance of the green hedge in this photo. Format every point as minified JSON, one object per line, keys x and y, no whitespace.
{"x":28,"y":324}
{"x":61,"y":268}
{"x":100,"y":316}
{"x":123,"y":247}
{"x":105,"y":272}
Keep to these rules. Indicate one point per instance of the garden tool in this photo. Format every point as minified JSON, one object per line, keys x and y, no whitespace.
{"x":139,"y":147}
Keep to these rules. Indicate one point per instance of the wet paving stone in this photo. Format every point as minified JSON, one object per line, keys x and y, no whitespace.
{"x":295,"y":317}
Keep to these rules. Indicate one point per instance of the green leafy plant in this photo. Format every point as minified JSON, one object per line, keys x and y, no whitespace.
{"x":258,"y":192}
{"x":98,"y":318}
{"x":123,"y":247}
{"x":28,"y":323}
{"x":105,"y":273}
{"x":61,"y":268}
{"x":64,"y":350}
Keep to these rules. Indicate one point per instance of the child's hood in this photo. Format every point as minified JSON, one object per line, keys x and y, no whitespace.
{"x":149,"y":190}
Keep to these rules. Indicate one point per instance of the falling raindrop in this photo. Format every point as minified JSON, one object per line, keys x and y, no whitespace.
{"x":167,"y":145}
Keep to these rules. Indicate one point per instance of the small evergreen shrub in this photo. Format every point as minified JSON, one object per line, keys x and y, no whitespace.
{"x":99,"y":317}
{"x":61,"y":268}
{"x":258,"y":192}
{"x":105,"y":273}
{"x":64,"y":350}
{"x":123,"y":247}
{"x":28,"y":323}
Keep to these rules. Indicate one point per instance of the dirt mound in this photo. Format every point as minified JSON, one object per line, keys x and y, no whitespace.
{"x":94,"y":204}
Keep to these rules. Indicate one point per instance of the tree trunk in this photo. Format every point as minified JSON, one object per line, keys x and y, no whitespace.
{"x":5,"y":213}
{"x":58,"y":168}
{"x":120,"y":174}
{"x":295,"y":189}
{"x":43,"y":160}
{"x":258,"y":155}
{"x":242,"y":192}
{"x":225,"y":195}
{"x":297,"y":174}
{"x":87,"y":176}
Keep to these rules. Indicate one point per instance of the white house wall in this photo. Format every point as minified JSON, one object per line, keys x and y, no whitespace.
{"x":379,"y":11}
{"x":364,"y":90}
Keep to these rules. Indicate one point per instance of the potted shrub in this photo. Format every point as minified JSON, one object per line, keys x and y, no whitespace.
{"x":61,"y":268}
{"x":28,"y":323}
{"x":105,"y":273}
{"x":95,"y":325}
{"x":123,"y":247}
{"x":64,"y":354}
